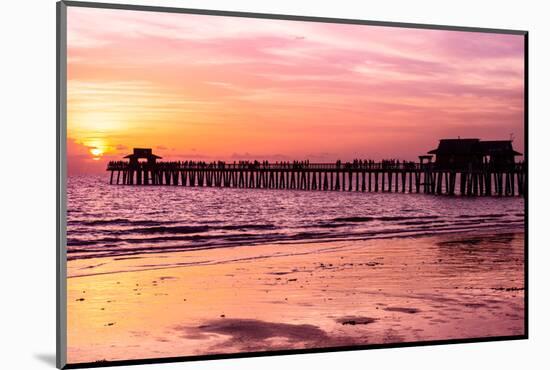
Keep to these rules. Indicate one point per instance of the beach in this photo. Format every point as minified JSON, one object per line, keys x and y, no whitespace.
{"x":277,"y":296}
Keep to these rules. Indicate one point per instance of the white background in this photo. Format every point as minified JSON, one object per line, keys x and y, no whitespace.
{"x":27,"y":207}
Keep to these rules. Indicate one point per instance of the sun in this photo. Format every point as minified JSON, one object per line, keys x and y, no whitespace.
{"x":96,"y":152}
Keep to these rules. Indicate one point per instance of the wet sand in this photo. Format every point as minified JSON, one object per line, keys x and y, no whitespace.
{"x":291,"y":296}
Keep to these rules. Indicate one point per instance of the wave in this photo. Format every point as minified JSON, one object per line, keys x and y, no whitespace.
{"x":383,"y":218}
{"x":119,"y":221}
{"x":353,"y":219}
{"x":197,"y":229}
{"x":180,"y":229}
{"x":490,"y":215}
{"x":301,"y":238}
{"x":158,"y":239}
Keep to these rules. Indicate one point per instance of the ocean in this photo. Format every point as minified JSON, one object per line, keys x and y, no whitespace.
{"x":114,"y":220}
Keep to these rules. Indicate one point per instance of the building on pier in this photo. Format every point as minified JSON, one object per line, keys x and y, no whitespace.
{"x":473,"y":153}
{"x":142,"y":153}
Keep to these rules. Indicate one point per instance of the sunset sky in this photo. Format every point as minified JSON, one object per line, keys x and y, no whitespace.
{"x":208,"y":87}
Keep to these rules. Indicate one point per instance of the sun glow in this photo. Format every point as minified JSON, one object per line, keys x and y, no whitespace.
{"x":96,"y":147}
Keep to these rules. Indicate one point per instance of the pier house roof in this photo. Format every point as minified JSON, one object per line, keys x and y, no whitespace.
{"x":467,"y":147}
{"x":143,"y":153}
{"x":457,"y":146}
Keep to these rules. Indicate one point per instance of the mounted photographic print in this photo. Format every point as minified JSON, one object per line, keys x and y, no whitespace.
{"x":237,"y":184}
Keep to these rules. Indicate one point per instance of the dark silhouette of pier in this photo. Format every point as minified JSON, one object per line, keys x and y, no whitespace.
{"x":479,"y":178}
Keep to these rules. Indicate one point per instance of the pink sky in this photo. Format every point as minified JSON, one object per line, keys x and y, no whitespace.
{"x":208,"y":87}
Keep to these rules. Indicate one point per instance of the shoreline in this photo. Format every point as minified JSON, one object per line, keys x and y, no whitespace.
{"x":313,"y":295}
{"x":92,"y":262}
{"x":386,"y":234}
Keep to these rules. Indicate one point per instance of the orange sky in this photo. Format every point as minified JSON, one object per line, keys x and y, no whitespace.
{"x":206,"y":88}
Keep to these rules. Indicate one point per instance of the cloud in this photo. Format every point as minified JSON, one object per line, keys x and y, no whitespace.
{"x":183,"y":156}
{"x":251,"y":156}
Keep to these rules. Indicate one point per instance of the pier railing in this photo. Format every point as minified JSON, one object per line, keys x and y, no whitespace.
{"x":121,"y":165}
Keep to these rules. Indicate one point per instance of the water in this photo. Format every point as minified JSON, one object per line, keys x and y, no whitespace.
{"x":109,"y":220}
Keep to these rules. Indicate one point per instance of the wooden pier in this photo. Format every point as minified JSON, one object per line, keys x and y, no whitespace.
{"x":406,"y":177}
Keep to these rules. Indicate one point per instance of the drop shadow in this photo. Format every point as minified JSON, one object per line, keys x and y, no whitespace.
{"x":47,"y":358}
